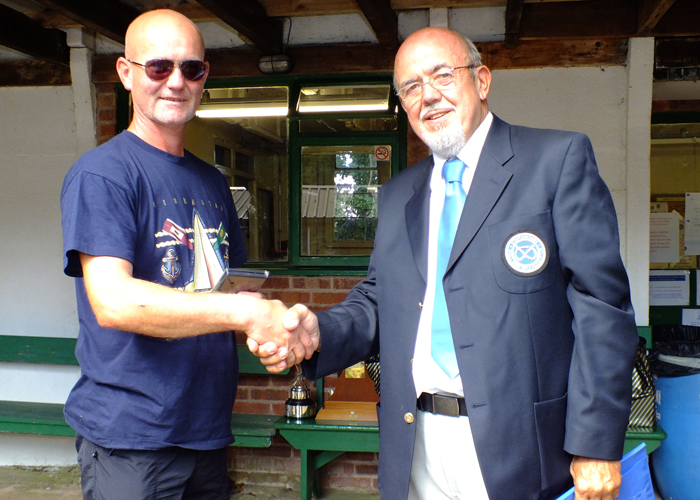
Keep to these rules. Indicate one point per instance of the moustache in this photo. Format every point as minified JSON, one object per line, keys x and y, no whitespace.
{"x":435,"y":107}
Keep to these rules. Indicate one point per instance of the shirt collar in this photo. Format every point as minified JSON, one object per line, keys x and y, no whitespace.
{"x":471,"y":151}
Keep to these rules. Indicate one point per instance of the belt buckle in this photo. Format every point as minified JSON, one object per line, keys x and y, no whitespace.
{"x":445,"y":405}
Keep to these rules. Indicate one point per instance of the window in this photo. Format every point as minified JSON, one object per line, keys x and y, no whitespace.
{"x":305,"y":158}
{"x":339,"y":198}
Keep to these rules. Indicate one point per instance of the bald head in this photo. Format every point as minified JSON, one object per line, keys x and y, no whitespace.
{"x":149,"y":31}
{"x":465,"y":51}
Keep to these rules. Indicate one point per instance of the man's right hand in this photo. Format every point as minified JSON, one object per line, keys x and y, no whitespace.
{"x":304,"y":340}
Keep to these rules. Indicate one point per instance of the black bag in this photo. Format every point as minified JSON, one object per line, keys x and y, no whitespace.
{"x":643,"y":412}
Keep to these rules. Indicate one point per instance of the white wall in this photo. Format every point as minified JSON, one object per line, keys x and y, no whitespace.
{"x":38,"y":145}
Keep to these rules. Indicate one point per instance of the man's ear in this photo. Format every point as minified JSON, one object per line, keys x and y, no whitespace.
{"x":483,"y":82}
{"x":124,"y":72}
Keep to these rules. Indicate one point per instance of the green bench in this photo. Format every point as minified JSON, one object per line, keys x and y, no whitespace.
{"x":250,"y":431}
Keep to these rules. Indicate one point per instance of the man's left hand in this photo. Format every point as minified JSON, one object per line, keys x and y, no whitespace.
{"x":596,"y":479}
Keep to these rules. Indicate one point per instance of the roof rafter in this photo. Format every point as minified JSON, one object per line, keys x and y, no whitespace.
{"x":25,"y":35}
{"x":251,"y":22}
{"x":514,"y":14}
{"x":109,"y":18}
{"x":651,"y":12}
{"x":382,"y":19}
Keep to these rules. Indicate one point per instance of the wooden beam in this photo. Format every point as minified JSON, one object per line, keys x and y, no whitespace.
{"x":33,"y":73}
{"x":251,"y":22}
{"x":373,"y":58}
{"x":431,"y":4}
{"x":514,"y":14}
{"x":677,"y":52}
{"x":24,"y":35}
{"x":109,"y":18}
{"x":554,"y":53}
{"x":650,"y":12}
{"x":382,"y":19}
{"x":592,"y":19}
{"x":681,"y":19}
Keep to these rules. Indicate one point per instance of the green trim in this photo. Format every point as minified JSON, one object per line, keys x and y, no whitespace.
{"x":249,"y":364}
{"x":122,"y":111}
{"x":49,"y":350}
{"x":659,"y":117}
{"x":61,"y":351}
{"x":45,"y":419}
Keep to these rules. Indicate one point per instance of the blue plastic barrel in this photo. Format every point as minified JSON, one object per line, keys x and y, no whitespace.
{"x":676,"y":463}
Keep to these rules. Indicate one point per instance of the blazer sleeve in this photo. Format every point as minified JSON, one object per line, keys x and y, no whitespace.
{"x":605,"y":334}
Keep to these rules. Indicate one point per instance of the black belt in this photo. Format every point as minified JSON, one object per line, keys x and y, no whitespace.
{"x":438,"y":404}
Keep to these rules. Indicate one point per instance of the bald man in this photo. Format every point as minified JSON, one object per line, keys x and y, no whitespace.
{"x":504,"y":322}
{"x":159,"y":367}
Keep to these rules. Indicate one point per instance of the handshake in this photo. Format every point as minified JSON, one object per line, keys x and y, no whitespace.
{"x":282,"y":337}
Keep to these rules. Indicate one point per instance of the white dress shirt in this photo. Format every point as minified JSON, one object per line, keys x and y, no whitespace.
{"x":427,"y":375}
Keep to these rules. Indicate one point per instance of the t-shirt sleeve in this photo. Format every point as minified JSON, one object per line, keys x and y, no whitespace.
{"x":99,"y":218}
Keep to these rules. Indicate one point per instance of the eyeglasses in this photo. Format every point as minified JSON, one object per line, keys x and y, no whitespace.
{"x":160,"y":69}
{"x":441,"y":80}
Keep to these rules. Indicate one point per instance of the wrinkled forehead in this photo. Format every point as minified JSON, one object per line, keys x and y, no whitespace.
{"x":417,"y":60}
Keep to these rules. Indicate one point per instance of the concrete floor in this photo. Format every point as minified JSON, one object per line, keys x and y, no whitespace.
{"x":21,"y":483}
{"x":63,"y":483}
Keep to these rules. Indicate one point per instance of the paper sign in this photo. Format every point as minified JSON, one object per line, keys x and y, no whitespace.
{"x":669,"y":288}
{"x":692,"y":223}
{"x":663,"y":238}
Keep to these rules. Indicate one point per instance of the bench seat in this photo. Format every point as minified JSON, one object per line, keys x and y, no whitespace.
{"x":250,"y":431}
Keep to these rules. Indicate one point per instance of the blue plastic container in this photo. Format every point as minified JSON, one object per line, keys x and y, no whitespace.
{"x":676,"y":463}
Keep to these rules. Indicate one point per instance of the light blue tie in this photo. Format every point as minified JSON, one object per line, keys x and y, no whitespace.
{"x":441,"y":344}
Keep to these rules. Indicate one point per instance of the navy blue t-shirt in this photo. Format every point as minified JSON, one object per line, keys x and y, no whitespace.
{"x":164,"y":214}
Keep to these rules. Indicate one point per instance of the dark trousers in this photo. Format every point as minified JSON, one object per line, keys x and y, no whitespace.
{"x":168,"y":474}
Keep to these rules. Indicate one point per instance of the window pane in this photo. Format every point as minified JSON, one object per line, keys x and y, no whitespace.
{"x":338,"y":99}
{"x":339,"y":198}
{"x":251,"y":151}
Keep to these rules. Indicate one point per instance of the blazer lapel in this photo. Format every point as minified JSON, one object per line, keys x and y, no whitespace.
{"x":417,"y":215}
{"x":490,"y":179}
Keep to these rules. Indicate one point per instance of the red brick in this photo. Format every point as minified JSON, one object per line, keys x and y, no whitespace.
{"x":362,"y":456}
{"x":353,"y":482}
{"x":269,"y":394}
{"x":277,"y":283}
{"x":107,"y":115}
{"x":106,"y":129}
{"x":328,"y":298}
{"x":366,"y":470}
{"x":290,"y":298}
{"x":346,"y":282}
{"x":317,"y":282}
{"x":106,"y":100}
{"x":252,"y":408}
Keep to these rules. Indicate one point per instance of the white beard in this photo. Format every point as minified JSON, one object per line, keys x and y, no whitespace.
{"x":446,"y":141}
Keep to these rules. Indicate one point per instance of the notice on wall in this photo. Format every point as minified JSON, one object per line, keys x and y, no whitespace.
{"x":692,"y":223}
{"x":691,"y":317}
{"x":669,"y":288}
{"x":663,"y":236}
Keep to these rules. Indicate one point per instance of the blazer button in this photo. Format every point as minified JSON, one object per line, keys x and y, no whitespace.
{"x":408,"y":417}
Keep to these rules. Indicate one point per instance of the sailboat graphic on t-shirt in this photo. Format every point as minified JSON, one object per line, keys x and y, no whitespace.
{"x":209,"y":267}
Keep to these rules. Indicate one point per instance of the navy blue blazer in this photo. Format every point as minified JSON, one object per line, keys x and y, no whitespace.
{"x":545,"y":346}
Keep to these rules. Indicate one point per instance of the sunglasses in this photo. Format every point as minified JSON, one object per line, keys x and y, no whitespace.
{"x":160,"y":69}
